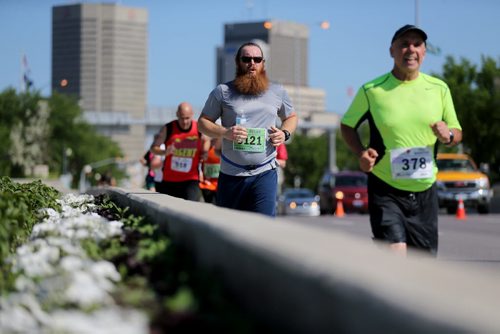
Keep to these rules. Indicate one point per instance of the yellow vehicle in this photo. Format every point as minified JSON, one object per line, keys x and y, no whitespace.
{"x":459,"y":177}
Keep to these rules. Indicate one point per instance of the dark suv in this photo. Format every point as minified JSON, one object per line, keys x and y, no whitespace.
{"x":351,"y":186}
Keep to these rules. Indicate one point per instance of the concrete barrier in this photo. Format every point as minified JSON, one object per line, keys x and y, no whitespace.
{"x":307,"y":280}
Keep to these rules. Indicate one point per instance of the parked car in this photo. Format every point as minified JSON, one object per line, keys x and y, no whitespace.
{"x":351,"y":186}
{"x":298,"y":201}
{"x":459,"y":177}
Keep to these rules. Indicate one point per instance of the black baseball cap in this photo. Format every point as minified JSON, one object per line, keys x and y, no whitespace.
{"x":409,"y":27}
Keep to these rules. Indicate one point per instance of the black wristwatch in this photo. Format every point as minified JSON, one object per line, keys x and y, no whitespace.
{"x":452,"y":136}
{"x":287,"y":134}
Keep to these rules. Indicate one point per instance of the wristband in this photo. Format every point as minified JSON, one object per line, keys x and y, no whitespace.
{"x":287,"y":134}
{"x":452,"y":136}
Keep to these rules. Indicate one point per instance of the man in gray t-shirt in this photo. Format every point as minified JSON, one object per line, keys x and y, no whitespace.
{"x":248,"y":107}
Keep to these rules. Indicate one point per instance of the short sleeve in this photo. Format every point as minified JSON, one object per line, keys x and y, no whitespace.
{"x":449,"y":113}
{"x":357,"y":109}
{"x":286,"y":108}
{"x":213,"y":105}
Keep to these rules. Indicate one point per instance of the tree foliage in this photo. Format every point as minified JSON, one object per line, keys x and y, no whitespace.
{"x":476,"y":95}
{"x":308,"y":159}
{"x":70,"y":131}
{"x":22,"y":132}
{"x":35,"y":130}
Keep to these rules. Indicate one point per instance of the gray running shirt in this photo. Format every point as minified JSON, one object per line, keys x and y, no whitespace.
{"x":260,"y":111}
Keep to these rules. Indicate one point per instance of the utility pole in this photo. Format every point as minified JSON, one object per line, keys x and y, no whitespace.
{"x":431,"y":48}
{"x":417,"y":13}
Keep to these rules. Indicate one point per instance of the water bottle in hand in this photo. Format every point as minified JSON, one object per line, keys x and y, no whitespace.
{"x":240,"y":117}
{"x":240,"y":120}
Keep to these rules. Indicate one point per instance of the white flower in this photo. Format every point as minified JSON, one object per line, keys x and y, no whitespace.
{"x":111,"y":320}
{"x":36,"y":259}
{"x":15,"y":318}
{"x":22,"y":250}
{"x":71,"y":263}
{"x":81,"y":203}
{"x":55,"y":272}
{"x":24,"y":284}
{"x":45,"y":228}
{"x":21,"y":313}
{"x":105,"y":272}
{"x":82,"y":234}
{"x":83,"y":290}
{"x":66,"y":246}
{"x":52,"y":214}
{"x":115,"y":228}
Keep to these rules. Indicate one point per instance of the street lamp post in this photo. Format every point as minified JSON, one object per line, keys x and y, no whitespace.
{"x":299,"y":68}
{"x":88,"y":168}
{"x":66,"y":177}
{"x":66,"y":153}
{"x":417,"y":13}
{"x":332,"y":151}
{"x":431,"y":48}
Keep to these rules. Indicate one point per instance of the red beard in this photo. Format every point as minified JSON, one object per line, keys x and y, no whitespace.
{"x":251,"y":84}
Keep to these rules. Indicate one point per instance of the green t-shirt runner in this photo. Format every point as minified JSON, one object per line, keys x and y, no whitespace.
{"x":399,"y":114}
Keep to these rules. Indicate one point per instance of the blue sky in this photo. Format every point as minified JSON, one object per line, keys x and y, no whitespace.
{"x":183,"y":36}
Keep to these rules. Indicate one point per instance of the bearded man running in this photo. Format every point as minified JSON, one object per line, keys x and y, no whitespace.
{"x":248,"y":108}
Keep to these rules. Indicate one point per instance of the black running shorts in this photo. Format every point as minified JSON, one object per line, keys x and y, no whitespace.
{"x":403,"y":216}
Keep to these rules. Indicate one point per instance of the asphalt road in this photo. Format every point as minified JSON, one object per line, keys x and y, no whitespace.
{"x":475,"y":240}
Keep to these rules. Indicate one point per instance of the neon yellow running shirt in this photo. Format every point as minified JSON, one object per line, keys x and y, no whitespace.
{"x":399,"y":114}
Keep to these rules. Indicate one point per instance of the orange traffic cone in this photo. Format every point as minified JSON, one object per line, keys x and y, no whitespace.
{"x":461,"y":209}
{"x":339,"y":211}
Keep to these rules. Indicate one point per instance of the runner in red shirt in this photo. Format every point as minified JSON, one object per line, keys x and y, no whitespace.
{"x":184,"y":146}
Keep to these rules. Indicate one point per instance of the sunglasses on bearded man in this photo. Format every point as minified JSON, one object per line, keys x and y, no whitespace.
{"x":256,"y":60}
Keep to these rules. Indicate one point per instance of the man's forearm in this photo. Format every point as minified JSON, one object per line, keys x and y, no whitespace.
{"x":290,"y":123}
{"x":352,"y":140}
{"x":159,"y":139}
{"x":211,"y":129}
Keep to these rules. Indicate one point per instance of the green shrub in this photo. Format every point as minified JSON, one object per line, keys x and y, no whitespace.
{"x":20,"y":206}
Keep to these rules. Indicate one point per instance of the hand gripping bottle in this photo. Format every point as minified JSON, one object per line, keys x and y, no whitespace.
{"x":240,"y":120}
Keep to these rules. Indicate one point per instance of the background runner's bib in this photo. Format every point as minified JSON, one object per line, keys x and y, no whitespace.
{"x":211,"y":170}
{"x":411,"y":163}
{"x":182,"y":165}
{"x":255,"y":141}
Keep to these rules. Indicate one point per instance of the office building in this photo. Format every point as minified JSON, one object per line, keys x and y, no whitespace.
{"x":99,"y":55}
